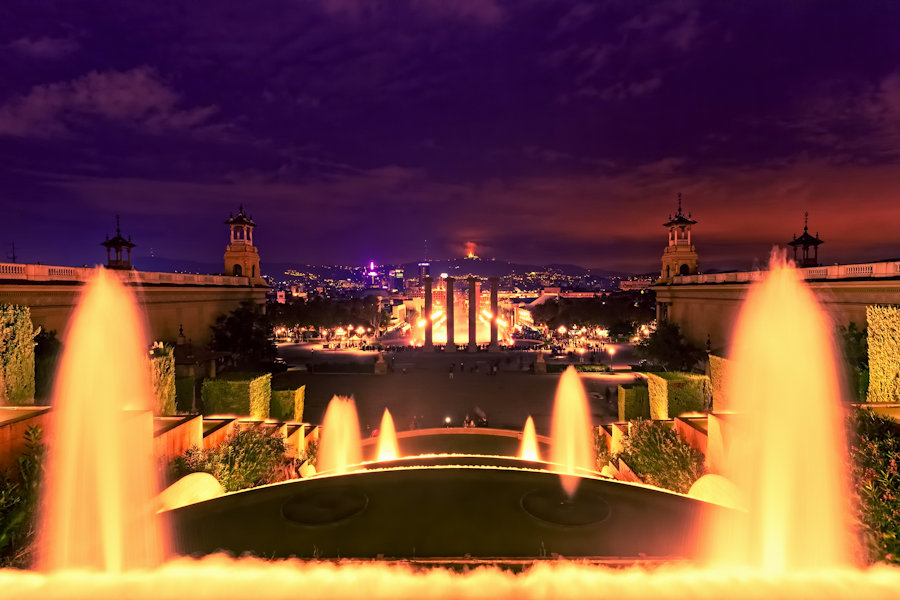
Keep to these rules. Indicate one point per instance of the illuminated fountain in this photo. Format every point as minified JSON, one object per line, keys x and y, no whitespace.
{"x":529,"y":448}
{"x":571,"y":451}
{"x":340,"y":446}
{"x":387,"y":438}
{"x":100,"y":479}
{"x":788,"y":451}
{"x":419,"y":513}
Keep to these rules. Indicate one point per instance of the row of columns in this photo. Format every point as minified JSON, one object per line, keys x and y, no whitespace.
{"x":451,"y":317}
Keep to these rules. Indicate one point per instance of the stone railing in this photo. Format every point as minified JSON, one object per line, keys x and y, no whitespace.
{"x":865,"y":270}
{"x":22,"y":272}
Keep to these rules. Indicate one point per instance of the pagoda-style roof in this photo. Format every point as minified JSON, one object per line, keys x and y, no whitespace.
{"x":240,"y":219}
{"x":118,"y":241}
{"x":679,"y":218}
{"x":806,"y":239}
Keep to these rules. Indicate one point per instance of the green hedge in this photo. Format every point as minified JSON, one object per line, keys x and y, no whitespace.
{"x":634,"y":402}
{"x":242,"y":394}
{"x":287,"y":405}
{"x":672,"y":394}
{"x":16,"y":356}
{"x":884,"y":348}
{"x":719,"y":370}
{"x":162,"y":377}
{"x":184,"y":393}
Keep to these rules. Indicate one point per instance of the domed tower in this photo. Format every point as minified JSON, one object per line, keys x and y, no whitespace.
{"x":241,"y":256}
{"x":114,"y":247}
{"x":680,"y":256}
{"x":802,"y":245}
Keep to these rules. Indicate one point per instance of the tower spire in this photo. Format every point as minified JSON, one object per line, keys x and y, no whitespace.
{"x":805,"y":221}
{"x":679,"y":204}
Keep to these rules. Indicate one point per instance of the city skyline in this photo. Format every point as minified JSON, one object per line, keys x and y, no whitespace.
{"x":541,"y":132}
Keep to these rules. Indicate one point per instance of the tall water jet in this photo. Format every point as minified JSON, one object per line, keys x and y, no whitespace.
{"x":98,"y":508}
{"x":788,"y":451}
{"x":340,"y":445}
{"x":570,"y":443}
{"x":528,"y":450}
{"x":388,"y":449}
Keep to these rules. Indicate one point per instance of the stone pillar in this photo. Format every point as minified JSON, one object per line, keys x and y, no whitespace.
{"x":495,"y":313}
{"x":473,"y":313}
{"x":451,"y":340}
{"x":429,"y":325}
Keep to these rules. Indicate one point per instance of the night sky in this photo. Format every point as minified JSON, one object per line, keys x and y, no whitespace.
{"x":540,"y":130}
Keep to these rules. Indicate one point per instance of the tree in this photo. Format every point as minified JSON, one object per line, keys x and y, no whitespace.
{"x":855,"y":345}
{"x":855,"y":348}
{"x":246,"y":333}
{"x":668,"y":348}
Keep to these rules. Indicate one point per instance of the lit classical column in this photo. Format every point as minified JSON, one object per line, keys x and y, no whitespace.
{"x":451,"y":342}
{"x":495,"y":313}
{"x":429,"y":325}
{"x":473,"y":313}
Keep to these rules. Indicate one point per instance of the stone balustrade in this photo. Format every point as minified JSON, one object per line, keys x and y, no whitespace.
{"x":854,"y":271}
{"x":49,"y":273}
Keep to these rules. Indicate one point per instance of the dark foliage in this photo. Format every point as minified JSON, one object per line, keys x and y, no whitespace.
{"x":620,"y":312}
{"x":875,"y":481}
{"x":246,"y":459}
{"x":47,"y":351}
{"x":661,"y":458}
{"x":246,"y":333}
{"x":668,"y":348}
{"x":329,"y":312}
{"x":19,"y":504}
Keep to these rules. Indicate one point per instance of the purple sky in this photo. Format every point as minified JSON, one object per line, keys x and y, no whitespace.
{"x":541,"y":130}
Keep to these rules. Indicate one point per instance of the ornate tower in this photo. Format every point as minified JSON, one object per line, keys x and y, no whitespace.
{"x":241,"y":256}
{"x":802,"y":245}
{"x":680,"y":256}
{"x":114,"y":248}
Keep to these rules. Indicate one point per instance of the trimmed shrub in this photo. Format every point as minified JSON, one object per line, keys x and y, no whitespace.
{"x":634,"y":402}
{"x":884,"y":348}
{"x":16,"y":356}
{"x":184,"y":393}
{"x":672,"y":394}
{"x":245,"y":459}
{"x":875,"y":479}
{"x":162,"y":379}
{"x":242,"y":394}
{"x":719,"y":370}
{"x":287,"y":405}
{"x":659,"y":457}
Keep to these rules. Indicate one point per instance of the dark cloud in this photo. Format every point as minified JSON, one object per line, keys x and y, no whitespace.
{"x":45,"y":47}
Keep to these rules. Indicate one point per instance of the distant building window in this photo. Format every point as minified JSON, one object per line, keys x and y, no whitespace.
{"x":237,"y":270}
{"x":684,"y":270}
